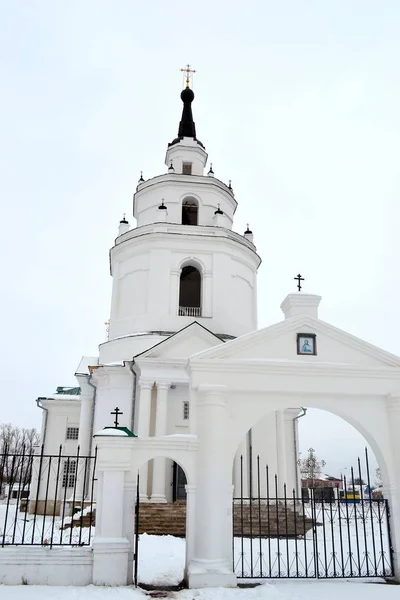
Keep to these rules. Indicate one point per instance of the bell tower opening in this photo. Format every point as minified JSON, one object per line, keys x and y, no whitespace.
{"x":190,"y":211}
{"x":190,"y":292}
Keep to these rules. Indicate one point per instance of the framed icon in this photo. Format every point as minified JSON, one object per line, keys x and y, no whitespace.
{"x":306,"y":344}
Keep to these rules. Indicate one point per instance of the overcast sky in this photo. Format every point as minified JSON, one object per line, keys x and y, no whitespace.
{"x":296,"y":102}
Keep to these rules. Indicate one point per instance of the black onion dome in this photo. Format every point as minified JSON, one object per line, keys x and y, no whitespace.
{"x":187,"y":95}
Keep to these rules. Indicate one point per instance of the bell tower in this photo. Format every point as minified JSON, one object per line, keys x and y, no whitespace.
{"x":182,"y":262}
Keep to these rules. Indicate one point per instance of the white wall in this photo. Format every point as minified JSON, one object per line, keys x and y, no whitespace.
{"x":61,"y":414}
{"x":176,"y":397}
{"x":146,"y":267}
{"x":173,"y":189}
{"x":32,"y":565}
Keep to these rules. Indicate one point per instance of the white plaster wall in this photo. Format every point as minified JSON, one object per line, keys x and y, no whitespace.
{"x":264,"y":445}
{"x":283,"y":346}
{"x":186,"y":150}
{"x":61,"y":415}
{"x":45,"y":566}
{"x":176,"y":422}
{"x":126,"y":347}
{"x":228,"y":264}
{"x":291,"y":452}
{"x":173,"y":189}
{"x":114,"y":387}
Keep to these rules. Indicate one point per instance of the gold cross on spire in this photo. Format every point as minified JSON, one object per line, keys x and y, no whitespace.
{"x":188,"y":71}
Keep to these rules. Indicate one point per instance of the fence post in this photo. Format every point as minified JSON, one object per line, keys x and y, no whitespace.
{"x":392,"y":488}
{"x":111,"y":547}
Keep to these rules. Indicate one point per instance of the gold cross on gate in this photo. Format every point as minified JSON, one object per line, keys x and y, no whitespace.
{"x":188,"y":71}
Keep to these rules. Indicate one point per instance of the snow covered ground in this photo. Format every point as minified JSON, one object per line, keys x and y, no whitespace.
{"x":299,"y":590}
{"x":161,"y":562}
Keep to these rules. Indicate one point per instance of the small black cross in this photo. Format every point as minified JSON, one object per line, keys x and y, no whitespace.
{"x":116,"y":412}
{"x":299,"y":279}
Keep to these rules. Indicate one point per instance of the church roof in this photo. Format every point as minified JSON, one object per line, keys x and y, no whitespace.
{"x":68,"y":391}
{"x":172,"y":344}
{"x":187,"y":127}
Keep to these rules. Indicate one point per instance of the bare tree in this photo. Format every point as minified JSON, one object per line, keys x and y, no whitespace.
{"x":311,"y":466}
{"x":14,"y":440}
{"x":16,"y":449}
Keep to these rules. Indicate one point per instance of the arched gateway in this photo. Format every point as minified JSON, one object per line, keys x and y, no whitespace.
{"x":235,"y":385}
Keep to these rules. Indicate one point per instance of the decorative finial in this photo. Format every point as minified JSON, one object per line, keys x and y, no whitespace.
{"x":107,"y":324}
{"x":123,"y":218}
{"x":210,"y":172}
{"x":230,"y":185}
{"x":248,"y":230}
{"x":218,"y":211}
{"x":141,"y":176}
{"x":299,"y":279}
{"x":162,"y":205}
{"x":116,"y":412}
{"x":171,"y":167}
{"x":188,"y":71}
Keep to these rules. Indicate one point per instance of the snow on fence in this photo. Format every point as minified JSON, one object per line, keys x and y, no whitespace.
{"x":47,"y":500}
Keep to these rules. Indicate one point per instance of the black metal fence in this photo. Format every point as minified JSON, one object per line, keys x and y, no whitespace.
{"x":46,"y":500}
{"x":341,"y":534}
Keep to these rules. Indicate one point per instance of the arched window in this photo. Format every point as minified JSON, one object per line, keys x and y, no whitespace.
{"x":190,"y":211}
{"x":190,"y":292}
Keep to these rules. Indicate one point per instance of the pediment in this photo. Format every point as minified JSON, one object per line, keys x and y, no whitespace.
{"x":279,"y":343}
{"x":190,"y":340}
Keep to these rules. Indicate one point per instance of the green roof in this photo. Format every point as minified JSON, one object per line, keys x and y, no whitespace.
{"x":68,"y":391}
{"x":128,"y":432}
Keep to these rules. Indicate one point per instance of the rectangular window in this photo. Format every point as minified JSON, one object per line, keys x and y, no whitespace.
{"x":72,"y":433}
{"x":187,"y":168}
{"x":69,"y":474}
{"x":185,"y":410}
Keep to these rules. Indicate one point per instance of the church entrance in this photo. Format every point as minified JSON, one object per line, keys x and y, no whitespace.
{"x":178,"y":483}
{"x":161,"y":520}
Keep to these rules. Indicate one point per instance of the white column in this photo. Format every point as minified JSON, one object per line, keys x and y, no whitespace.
{"x":206,"y":301}
{"x":143,"y":431}
{"x":128,"y":524}
{"x":159,"y":467}
{"x":190,"y":524}
{"x":281,"y":450}
{"x":84,"y":440}
{"x":85,"y":421}
{"x":391,"y":479}
{"x":291,"y":479}
{"x":240,"y":471}
{"x":174,"y":291}
{"x":211,"y":565}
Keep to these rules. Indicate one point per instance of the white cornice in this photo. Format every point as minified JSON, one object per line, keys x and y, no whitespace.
{"x":172,"y":180}
{"x":295,"y":368}
{"x":164,"y":233}
{"x":171,"y":442}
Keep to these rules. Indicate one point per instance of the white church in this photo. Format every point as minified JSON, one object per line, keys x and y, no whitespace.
{"x":183,"y":282}
{"x":198,"y":384}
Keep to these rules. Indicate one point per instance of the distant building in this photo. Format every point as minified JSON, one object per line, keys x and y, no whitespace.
{"x":322,"y":481}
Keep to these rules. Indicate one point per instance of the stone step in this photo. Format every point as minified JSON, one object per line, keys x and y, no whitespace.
{"x":170,"y":519}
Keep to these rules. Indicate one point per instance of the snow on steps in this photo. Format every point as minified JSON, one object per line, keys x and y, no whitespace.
{"x":170,"y":519}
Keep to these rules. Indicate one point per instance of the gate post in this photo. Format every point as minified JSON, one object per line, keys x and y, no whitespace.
{"x":111,"y":546}
{"x":393,"y":486}
{"x":211,"y":563}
